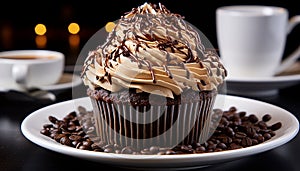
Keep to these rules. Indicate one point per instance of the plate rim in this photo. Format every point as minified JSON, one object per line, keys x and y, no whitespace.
{"x":201,"y":158}
{"x":283,"y":78}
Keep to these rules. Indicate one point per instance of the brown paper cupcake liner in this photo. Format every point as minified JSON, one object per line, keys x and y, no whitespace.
{"x":156,"y":125}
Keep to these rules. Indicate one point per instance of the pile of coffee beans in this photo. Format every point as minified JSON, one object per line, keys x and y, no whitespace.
{"x":235,"y":130}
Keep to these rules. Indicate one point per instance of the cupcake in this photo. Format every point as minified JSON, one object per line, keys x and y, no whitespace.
{"x":152,"y":82}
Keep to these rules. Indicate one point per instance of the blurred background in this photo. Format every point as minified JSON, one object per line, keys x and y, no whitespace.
{"x":67,"y":25}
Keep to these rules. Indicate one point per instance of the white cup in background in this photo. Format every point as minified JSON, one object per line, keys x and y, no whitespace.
{"x":21,"y":69}
{"x":251,"y":38}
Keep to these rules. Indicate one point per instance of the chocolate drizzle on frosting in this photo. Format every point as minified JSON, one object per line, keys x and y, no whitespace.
{"x":152,"y":38}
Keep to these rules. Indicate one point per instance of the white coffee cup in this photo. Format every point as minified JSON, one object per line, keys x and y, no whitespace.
{"x":22,"y":69}
{"x":251,"y":39}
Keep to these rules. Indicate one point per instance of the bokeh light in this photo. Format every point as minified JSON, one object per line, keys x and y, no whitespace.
{"x":109,"y":26}
{"x":40,"y":29}
{"x":73,"y":28}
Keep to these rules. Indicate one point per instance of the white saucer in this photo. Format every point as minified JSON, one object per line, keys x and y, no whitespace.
{"x":34,"y":122}
{"x":260,"y":86}
{"x":67,"y":80}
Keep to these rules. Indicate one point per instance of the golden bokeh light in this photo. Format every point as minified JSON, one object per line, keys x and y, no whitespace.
{"x":40,"y":29}
{"x":110,"y":26}
{"x":73,"y":28}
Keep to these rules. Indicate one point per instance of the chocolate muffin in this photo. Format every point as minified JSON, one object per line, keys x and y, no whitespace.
{"x":152,"y":82}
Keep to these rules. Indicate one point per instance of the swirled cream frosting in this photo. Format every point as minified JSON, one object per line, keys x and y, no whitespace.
{"x":153,"y":50}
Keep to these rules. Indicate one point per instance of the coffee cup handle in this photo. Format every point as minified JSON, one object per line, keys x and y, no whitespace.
{"x":19,"y":73}
{"x":292,"y":58}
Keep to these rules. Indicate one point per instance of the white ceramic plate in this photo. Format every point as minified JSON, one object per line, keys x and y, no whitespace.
{"x":260,"y":86}
{"x":33,"y":123}
{"x":67,"y":80}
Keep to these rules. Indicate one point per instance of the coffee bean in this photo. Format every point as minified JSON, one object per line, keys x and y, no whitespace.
{"x":254,"y":141}
{"x":169,"y":152}
{"x":78,"y":144}
{"x":246,"y":142}
{"x":232,"y":109}
{"x":267,"y":136}
{"x":229,"y":131}
{"x":251,"y":132}
{"x":87,"y":143}
{"x":108,"y":150}
{"x":253,"y":118}
{"x":234,"y":146}
{"x":57,"y":137}
{"x":218,"y":149}
{"x":81,"y":133}
{"x":75,"y":137}
{"x":71,"y":127}
{"x":187,"y":149}
{"x":45,"y":132}
{"x":98,"y":150}
{"x":222,"y":146}
{"x":84,"y":147}
{"x":242,"y":114}
{"x":154,"y":149}
{"x":95,"y":147}
{"x":276,"y":126}
{"x":52,"y":119}
{"x":117,"y":151}
{"x":266,"y":117}
{"x":47,"y":126}
{"x":65,"y":141}
{"x":237,"y":140}
{"x":200,"y":149}
{"x":127,"y":150}
{"x":78,"y":129}
{"x":272,"y":133}
{"x":74,"y":143}
{"x":262,"y":125}
{"x":235,"y":130}
{"x":146,"y":152}
{"x":240,"y":135}
{"x":260,"y":138}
